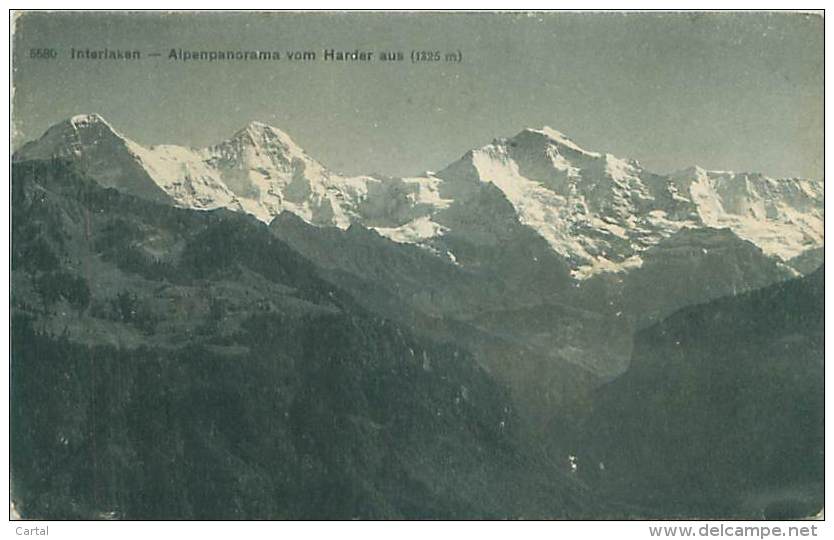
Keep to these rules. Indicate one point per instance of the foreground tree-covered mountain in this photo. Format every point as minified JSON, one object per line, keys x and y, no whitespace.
{"x":169,"y":363}
{"x":722,"y":410}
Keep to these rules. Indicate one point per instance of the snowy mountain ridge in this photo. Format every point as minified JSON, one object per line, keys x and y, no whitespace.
{"x":596,"y":210}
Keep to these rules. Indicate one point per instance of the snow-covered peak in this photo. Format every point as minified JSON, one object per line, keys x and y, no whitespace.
{"x":261,"y":134}
{"x":71,"y":137}
{"x":265,"y":136}
{"x":784,"y":217}
{"x":102,"y":153}
{"x":602,"y":212}
{"x":558,"y":138}
{"x":84,"y":120}
{"x":260,"y":146}
{"x":89,"y":126}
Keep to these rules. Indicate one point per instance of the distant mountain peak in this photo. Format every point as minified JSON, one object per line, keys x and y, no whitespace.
{"x":267,"y":137}
{"x":82,"y":123}
{"x":258,"y":129}
{"x":69,"y":137}
{"x":554,"y":137}
{"x":560,"y":138}
{"x":91,"y":122}
{"x":81,"y":120}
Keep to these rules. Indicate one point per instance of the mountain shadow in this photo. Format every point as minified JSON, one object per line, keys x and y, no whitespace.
{"x":721,"y":413}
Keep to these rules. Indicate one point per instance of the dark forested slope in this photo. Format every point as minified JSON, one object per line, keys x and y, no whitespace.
{"x":721,"y":411}
{"x":171,"y":363}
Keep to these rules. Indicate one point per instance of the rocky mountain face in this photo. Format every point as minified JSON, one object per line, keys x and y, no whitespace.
{"x":726,"y":399}
{"x":808,"y":261}
{"x":689,"y":267}
{"x":546,"y":350}
{"x":170,"y":363}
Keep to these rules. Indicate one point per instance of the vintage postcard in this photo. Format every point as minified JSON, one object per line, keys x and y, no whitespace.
{"x":412,"y":266}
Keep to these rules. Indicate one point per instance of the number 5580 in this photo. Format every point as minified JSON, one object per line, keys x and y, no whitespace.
{"x":43,"y":54}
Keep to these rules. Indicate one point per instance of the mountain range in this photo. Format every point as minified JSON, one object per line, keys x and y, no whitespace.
{"x":597,"y":211}
{"x":457,"y":338}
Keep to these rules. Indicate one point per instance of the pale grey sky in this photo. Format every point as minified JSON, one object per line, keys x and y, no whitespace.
{"x":724,"y":91}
